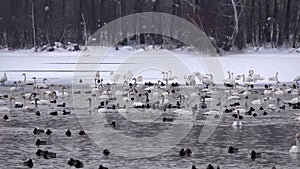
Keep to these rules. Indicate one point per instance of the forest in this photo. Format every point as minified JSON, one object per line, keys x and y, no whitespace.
{"x":229,"y":23}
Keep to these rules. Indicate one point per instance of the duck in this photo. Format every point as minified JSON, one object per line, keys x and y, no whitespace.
{"x":75,"y":163}
{"x":38,"y":113}
{"x":38,"y":131}
{"x":48,"y":132}
{"x":188,"y":152}
{"x":232,"y":150}
{"x":61,"y":105}
{"x":182,"y":152}
{"x":54,"y":113}
{"x":106,"y":152}
{"x":68,"y":133}
{"x":165,"y":119}
{"x":81,"y":133}
{"x":112,"y":124}
{"x":5,"y":117}
{"x":210,"y":167}
{"x":40,"y":142}
{"x":102,"y":167}
{"x":28,"y":163}
{"x":296,"y":149}
{"x":254,"y":155}
{"x":65,"y":112}
{"x":46,"y":154}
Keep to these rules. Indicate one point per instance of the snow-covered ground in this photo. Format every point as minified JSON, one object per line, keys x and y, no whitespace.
{"x":59,"y":66}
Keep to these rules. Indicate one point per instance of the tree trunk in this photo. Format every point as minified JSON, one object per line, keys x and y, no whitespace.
{"x":268,"y":22}
{"x":33,"y":25}
{"x":296,"y":25}
{"x":254,"y":34}
{"x":260,"y":24}
{"x":236,"y":24}
{"x":275,"y":25}
{"x":85,"y":31}
{"x":287,"y":21}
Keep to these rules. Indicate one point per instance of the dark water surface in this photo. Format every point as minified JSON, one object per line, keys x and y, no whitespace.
{"x":273,"y":135}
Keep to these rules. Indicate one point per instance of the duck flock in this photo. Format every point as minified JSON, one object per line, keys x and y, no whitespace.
{"x":239,"y":98}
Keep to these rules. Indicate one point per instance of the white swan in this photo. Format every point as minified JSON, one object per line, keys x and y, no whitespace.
{"x":3,"y":79}
{"x":6,"y":109}
{"x":274,"y":79}
{"x":257,"y":102}
{"x":41,"y":102}
{"x":237,"y":123}
{"x":61,"y":94}
{"x":26,"y":82}
{"x":207,"y":80}
{"x":16,"y":87}
{"x":293,"y":101}
{"x":215,"y":113}
{"x":230,"y":81}
{"x":258,"y":77}
{"x":233,"y":97}
{"x":171,"y":76}
{"x":296,"y":149}
{"x":128,"y":76}
{"x":43,"y":85}
{"x":97,"y":75}
{"x":164,"y":101}
{"x":114,"y":77}
{"x":30,"y":108}
{"x":268,"y":91}
{"x":297,"y":78}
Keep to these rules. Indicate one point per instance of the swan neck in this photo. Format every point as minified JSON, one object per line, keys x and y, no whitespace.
{"x":298,"y":143}
{"x":229,"y":75}
{"x":24,"y":78}
{"x":162,"y":98}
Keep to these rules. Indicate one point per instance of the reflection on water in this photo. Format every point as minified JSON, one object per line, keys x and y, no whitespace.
{"x":273,"y":135}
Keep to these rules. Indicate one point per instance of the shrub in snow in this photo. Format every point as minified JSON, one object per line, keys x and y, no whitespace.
{"x":58,"y":45}
{"x":298,"y":50}
{"x":73,"y":47}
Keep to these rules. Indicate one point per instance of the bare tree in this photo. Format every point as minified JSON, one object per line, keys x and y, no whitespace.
{"x":85,"y":31}
{"x":295,"y":34}
{"x":33,"y":25}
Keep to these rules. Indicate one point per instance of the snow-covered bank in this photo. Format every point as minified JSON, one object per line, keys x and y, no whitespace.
{"x":60,"y":65}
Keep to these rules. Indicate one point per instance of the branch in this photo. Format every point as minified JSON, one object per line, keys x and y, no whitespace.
{"x":221,"y":14}
{"x":63,"y":34}
{"x":85,"y":32}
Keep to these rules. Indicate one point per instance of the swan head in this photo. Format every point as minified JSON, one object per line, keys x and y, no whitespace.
{"x":140,"y":78}
{"x":23,"y":74}
{"x":298,"y":141}
{"x":33,"y":77}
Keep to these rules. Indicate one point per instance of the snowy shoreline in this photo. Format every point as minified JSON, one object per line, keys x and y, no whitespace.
{"x":60,"y":65}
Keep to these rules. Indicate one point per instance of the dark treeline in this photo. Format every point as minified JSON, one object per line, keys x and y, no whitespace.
{"x":229,"y":23}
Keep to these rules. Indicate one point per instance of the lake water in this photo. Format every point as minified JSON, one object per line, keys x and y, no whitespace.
{"x":273,"y":135}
